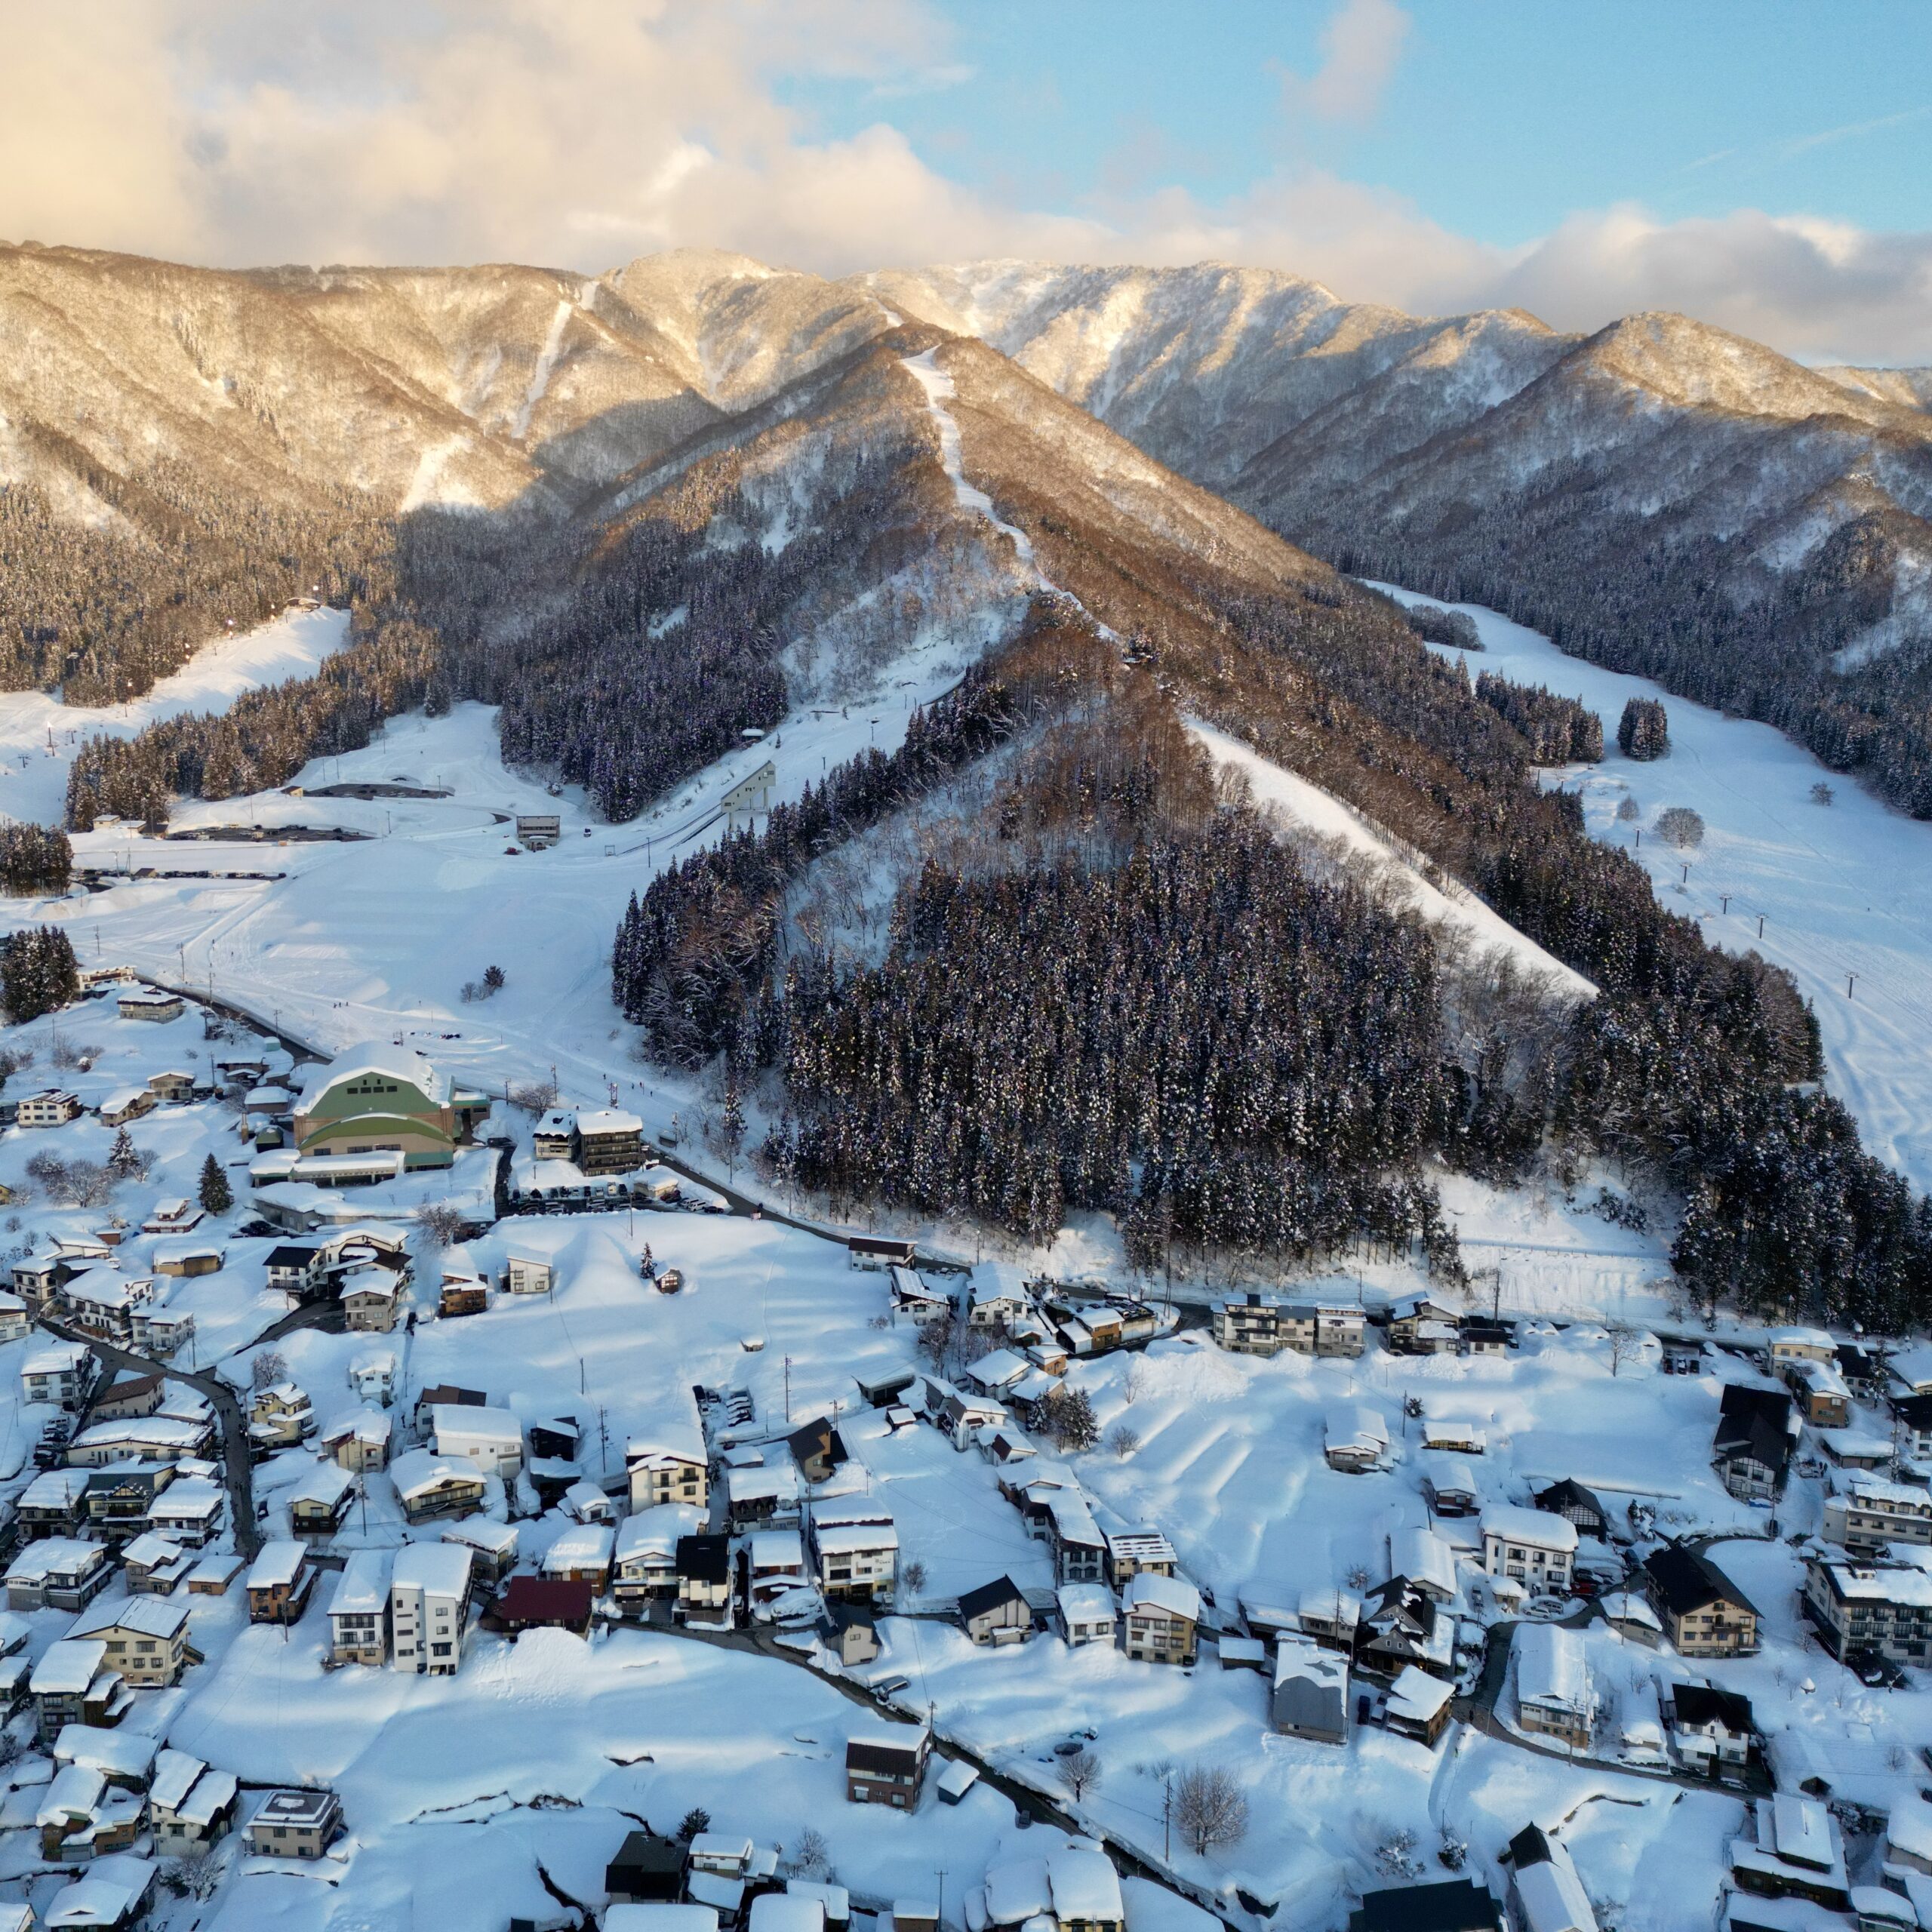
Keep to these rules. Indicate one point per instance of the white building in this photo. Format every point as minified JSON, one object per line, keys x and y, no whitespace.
{"x":490,"y":1438}
{"x":667,"y":1463}
{"x":1554,"y":1694}
{"x":428,"y":1605}
{"x":1530,"y":1546}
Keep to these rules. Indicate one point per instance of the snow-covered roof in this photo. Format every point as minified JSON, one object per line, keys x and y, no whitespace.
{"x":1303,"y":1657}
{"x":441,"y":1567}
{"x":480,"y":1532}
{"x":657,"y":1531}
{"x":378,"y":1056}
{"x":463,"y":1423}
{"x":608,"y":1120}
{"x":1626,"y":1607}
{"x":582,"y":1546}
{"x":49,"y":1555}
{"x":52,"y":1358}
{"x":656,"y":1916}
{"x":416,"y":1470}
{"x":1801,"y":1338}
{"x":1417,"y":1695}
{"x":363,"y":1589}
{"x":1422,"y":1556}
{"x":67,"y":1667}
{"x":1175,"y":1595}
{"x":785,"y":1912}
{"x":326,"y":1484}
{"x":1085,"y":1885}
{"x":74,"y":1792}
{"x":1017,"y":1889}
{"x":126,"y":1753}
{"x":1552,"y":1896}
{"x":107,"y":1896}
{"x":1550,"y":1667}
{"x":151,"y":1549}
{"x":277,"y":1565}
{"x":367,"y":1424}
{"x":1537,"y":1527}
{"x":1086,"y":1603}
{"x":1354,"y":1423}
{"x":777,"y":1549}
{"x":174,"y":1775}
{"x":846,"y":1538}
{"x":1909,"y":1827}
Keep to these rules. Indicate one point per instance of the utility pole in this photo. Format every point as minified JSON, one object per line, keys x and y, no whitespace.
{"x":1761,"y":925}
{"x":1166,"y":1818}
{"x":1850,"y":980}
{"x":788,"y":1388}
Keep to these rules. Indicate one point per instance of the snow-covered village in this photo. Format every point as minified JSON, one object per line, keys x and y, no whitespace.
{"x":965,"y":969}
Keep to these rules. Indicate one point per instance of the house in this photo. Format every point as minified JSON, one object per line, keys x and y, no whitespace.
{"x":1333,"y":1618}
{"x":963,"y":1418}
{"x":279,"y":1581}
{"x":1448,"y":1905}
{"x":369,"y":1299}
{"x":1913,"y":1417}
{"x":430,"y":1485}
{"x":115,"y":1893}
{"x":887,"y":1766}
{"x":125,"y":1759}
{"x":996,"y":1613}
{"x":1703,"y":1613}
{"x":1478,"y":1335}
{"x":279,"y":1416}
{"x":129,"y":1395}
{"x":1794,"y":1852}
{"x":1823,"y":1397}
{"x":154,"y":1566}
{"x":1751,"y":1449}
{"x":1161,"y":1615}
{"x":15,"y":1321}
{"x":1867,"y":1610}
{"x":430,"y":1607}
{"x":524,"y":1276}
{"x":645,"y":1560}
{"x":1086,"y":1613}
{"x":543,"y":1603}
{"x":1442,"y":1436}
{"x":1530,"y":1547}
{"x":911,"y":1297}
{"x":1418,"y":1706}
{"x":53,"y":1106}
{"x":1265,"y":1325}
{"x":1554,"y":1694}
{"x":1575,"y":1504}
{"x":462,"y":1294}
{"x":774,"y":1561}
{"x":1869,"y":1513}
{"x":1401,"y":1626}
{"x":125,"y":1104}
{"x":993,"y":1303}
{"x":609,"y":1141}
{"x":490,"y":1438}
{"x":1450,"y":1488}
{"x":372,"y":1377}
{"x":157,"y":1330}
{"x":359,"y":1439}
{"x":191,"y":1511}
{"x":855,"y":1548}
{"x":1794,"y":1344}
{"x":1355,"y":1438}
{"x":146,"y":1639}
{"x":492,"y":1547}
{"x":1632,"y":1619}
{"x":189,"y":1258}
{"x":537,"y":831}
{"x":59,"y":1373}
{"x":849,"y":1630}
{"x":1311,"y":1692}
{"x":582,"y":1555}
{"x":1908,"y":1836}
{"x":148,"y":1004}
{"x":817,"y":1449}
{"x":1545,"y":1894}
{"x":57,"y":1572}
{"x":172,"y":1085}
{"x":878,"y":1252}
{"x":1419,"y":1324}
{"x":377,"y":1099}
{"x":359,"y":1610}
{"x":119,"y":1501}
{"x":292,"y":1269}
{"x":883,"y":1391}
{"x":71,"y":1684}
{"x":447,"y":1394}
{"x":668,"y":1464}
{"x":318,"y":1503}
{"x":80,"y":1815}
{"x":295,"y":1824}
{"x":55,"y":1504}
{"x":1130,"y":1552}
{"x":755,"y":1497}
{"x":190,"y":1807}
{"x":646,"y":1869}
{"x":213,"y":1574}
{"x":1712,"y":1730}
{"x":704,"y":1581}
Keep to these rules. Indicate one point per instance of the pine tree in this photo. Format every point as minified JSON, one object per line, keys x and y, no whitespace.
{"x":217,"y":1197}
{"x":124,"y":1158}
{"x":1644,"y":731}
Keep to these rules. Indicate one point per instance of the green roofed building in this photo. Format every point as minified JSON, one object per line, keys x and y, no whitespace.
{"x":381,"y":1099}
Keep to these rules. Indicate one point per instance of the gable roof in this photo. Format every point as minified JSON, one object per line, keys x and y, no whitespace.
{"x":1755,"y":1422}
{"x":1704,"y":1704}
{"x":1686,"y":1580}
{"x":989,"y":1596}
{"x":402,"y":1063}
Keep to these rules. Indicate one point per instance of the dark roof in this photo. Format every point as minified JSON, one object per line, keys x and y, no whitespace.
{"x":877,"y":1754}
{"x":704,"y":1559}
{"x":816,"y":1439}
{"x":1567,"y":1493}
{"x":990,"y":1596}
{"x":542,"y":1600}
{"x":1529,"y":1847}
{"x":645,"y":1851}
{"x":1484,"y":1324}
{"x":1686,"y":1580}
{"x":1915,"y":1409}
{"x":1454,"y":1904}
{"x":1755,"y":1422}
{"x":446,"y":1395}
{"x":881,"y":1244}
{"x":1700,"y":1703}
{"x":289,"y":1256}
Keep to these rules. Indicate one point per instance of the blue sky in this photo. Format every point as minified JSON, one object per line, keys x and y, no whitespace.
{"x":1498,"y":119}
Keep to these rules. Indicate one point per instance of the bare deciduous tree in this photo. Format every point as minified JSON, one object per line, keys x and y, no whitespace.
{"x":1123,"y":1438}
{"x":1626,"y":1343}
{"x":1210,"y":1808}
{"x":1080,"y":1772}
{"x":439,"y":1224}
{"x":271,"y":1366}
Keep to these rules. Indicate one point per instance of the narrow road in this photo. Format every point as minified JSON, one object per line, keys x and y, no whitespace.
{"x":237,"y":1469}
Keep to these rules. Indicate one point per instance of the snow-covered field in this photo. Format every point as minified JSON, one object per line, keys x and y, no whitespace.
{"x":39,"y":735}
{"x":1842,"y":889}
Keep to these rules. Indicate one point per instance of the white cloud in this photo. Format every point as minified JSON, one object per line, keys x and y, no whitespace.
{"x":576,"y":134}
{"x":1360,"y":46}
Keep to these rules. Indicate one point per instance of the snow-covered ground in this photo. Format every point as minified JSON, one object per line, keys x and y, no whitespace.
{"x":39,"y":735}
{"x":1841,"y":890}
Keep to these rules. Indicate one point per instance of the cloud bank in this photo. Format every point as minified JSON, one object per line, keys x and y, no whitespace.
{"x":580,"y":133}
